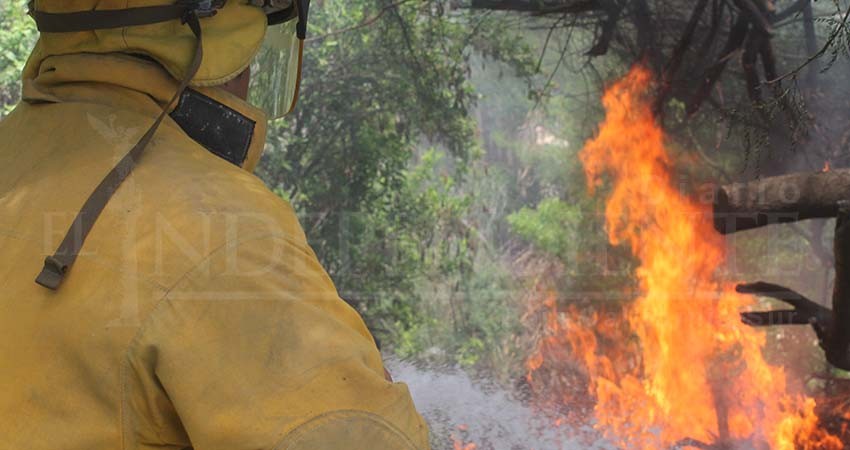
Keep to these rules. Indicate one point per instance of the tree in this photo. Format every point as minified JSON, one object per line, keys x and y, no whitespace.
{"x":693,"y":47}
{"x":383,"y":84}
{"x":17,"y":35}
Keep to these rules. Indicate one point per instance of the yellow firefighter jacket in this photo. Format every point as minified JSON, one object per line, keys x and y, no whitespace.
{"x":196,"y":315}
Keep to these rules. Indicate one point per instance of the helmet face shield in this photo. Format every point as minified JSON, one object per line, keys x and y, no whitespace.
{"x":276,"y":69}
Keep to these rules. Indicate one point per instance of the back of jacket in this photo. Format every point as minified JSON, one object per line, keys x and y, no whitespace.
{"x":196,"y":316}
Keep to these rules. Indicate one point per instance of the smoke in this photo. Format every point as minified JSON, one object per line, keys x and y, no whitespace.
{"x":461,"y":411}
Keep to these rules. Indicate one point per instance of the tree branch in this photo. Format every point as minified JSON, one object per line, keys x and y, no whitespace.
{"x":363,"y":24}
{"x":798,"y":6}
{"x":832,"y":37}
{"x":539,"y":7}
{"x":838,"y":345}
{"x":682,"y":46}
{"x":831,"y":326}
{"x":608,"y":26}
{"x":755,"y":14}
{"x":779,"y":199}
{"x":733,"y":43}
{"x":805,"y":312}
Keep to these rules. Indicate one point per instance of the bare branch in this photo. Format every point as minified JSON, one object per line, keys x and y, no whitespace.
{"x":539,"y":7}
{"x":780,"y":199}
{"x":607,"y":27}
{"x":755,"y":14}
{"x":733,"y":44}
{"x":805,"y":312}
{"x":798,"y":6}
{"x":838,"y":345}
{"x":826,"y":46}
{"x":831,"y":326}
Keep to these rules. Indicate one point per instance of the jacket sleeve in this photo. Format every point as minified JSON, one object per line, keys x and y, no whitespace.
{"x":254,"y":349}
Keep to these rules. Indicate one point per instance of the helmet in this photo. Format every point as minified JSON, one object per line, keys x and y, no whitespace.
{"x":276,"y":67}
{"x":283,"y":48}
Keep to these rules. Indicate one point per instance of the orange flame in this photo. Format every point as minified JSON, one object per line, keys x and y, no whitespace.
{"x":458,"y":442}
{"x":685,"y":371}
{"x":826,"y":167}
{"x":459,"y":445}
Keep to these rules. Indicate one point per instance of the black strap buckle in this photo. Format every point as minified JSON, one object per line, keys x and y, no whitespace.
{"x":52,"y":273}
{"x":201,"y":8}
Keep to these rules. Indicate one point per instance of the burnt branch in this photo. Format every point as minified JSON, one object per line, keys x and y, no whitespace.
{"x":831,"y":326}
{"x":805,"y":312}
{"x":646,"y":33}
{"x":539,"y":7}
{"x":712,"y":74}
{"x":678,"y":54}
{"x":836,"y":33}
{"x":797,"y":7}
{"x":685,"y":40}
{"x":607,"y":29}
{"x":688,"y":45}
{"x":755,"y":40}
{"x":768,"y":58}
{"x":780,"y":199}
{"x":838,"y":344}
{"x":810,"y":38}
{"x":756,"y":15}
{"x":717,"y":9}
{"x":718,"y":445}
{"x":691,"y":443}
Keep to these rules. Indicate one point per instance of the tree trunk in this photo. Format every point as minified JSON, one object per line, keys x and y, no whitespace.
{"x":838,"y":346}
{"x":780,"y":199}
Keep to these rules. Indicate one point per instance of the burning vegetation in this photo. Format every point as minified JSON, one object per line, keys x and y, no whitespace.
{"x":675,"y":367}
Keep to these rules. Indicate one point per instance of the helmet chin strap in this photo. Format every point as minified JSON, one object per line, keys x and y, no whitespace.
{"x":119,"y":18}
{"x":189,"y":12}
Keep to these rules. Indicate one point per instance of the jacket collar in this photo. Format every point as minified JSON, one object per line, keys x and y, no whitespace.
{"x":128,"y":82}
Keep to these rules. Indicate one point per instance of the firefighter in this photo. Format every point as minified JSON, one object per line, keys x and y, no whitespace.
{"x":154,"y":293}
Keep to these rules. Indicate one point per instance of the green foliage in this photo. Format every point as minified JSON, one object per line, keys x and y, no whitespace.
{"x":17,"y":36}
{"x":376,"y":155}
{"x":551,"y":226}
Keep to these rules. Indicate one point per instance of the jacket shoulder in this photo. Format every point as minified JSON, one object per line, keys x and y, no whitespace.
{"x":196,"y":203}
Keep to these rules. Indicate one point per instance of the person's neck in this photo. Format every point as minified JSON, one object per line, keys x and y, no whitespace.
{"x":239,"y":85}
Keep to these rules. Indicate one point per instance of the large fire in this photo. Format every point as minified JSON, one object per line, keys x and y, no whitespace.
{"x":675,"y":368}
